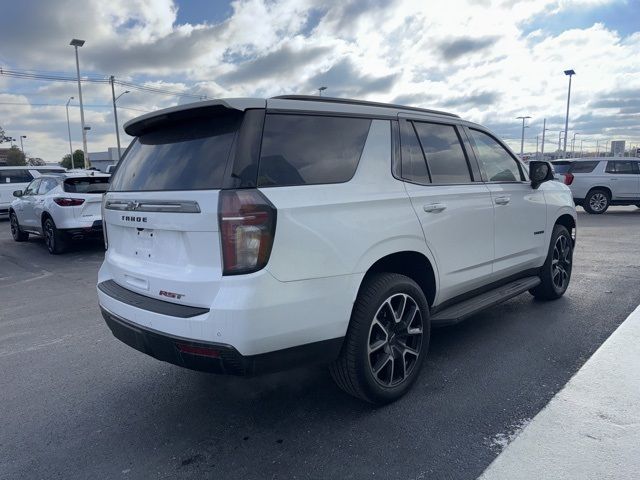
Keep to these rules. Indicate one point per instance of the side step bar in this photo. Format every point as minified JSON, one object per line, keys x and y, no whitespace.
{"x":460,"y":311}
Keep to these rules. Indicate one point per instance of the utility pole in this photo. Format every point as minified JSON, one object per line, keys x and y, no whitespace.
{"x":69,"y":131}
{"x":522,"y":138}
{"x":320,"y":90}
{"x":78,"y":43}
{"x":570,"y":73}
{"x":537,"y":139}
{"x":544,"y":131}
{"x":115,"y":112}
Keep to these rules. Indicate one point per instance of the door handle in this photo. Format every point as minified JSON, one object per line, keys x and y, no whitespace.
{"x":434,"y":207}
{"x":504,"y":200}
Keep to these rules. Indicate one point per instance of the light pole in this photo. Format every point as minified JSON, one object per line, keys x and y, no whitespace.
{"x":21,"y":144}
{"x":581,"y":140}
{"x":78,"y":43}
{"x":560,"y":141}
{"x":573,"y":144}
{"x":320,"y":90}
{"x":537,"y":141}
{"x":570,"y":73}
{"x":69,"y":131}
{"x":522,"y":139}
{"x":115,"y":112}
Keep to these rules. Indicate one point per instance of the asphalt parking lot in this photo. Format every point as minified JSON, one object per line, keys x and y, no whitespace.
{"x":76,"y":403}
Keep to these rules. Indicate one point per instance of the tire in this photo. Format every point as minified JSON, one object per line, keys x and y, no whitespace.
{"x":53,"y":238}
{"x":597,"y":201}
{"x":555,"y":274}
{"x":391,"y":314}
{"x":16,"y":232}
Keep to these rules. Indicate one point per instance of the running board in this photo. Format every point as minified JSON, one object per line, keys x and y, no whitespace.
{"x":460,"y":311}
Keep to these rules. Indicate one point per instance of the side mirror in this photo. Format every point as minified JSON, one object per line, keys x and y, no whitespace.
{"x":17,"y":193}
{"x":540,"y":172}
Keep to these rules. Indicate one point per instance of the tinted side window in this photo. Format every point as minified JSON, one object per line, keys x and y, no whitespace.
{"x":561,"y":167}
{"x":582,"y":167}
{"x":46,"y":184}
{"x":307,"y":149}
{"x":414,"y":165}
{"x":621,"y":167}
{"x":32,"y":188}
{"x":50,"y":170}
{"x":15,"y":176}
{"x":497,"y":163}
{"x":445,"y":157}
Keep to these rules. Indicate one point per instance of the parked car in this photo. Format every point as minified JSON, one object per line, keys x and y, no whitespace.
{"x":13,"y":178}
{"x":597,"y":183}
{"x":249,"y":235}
{"x":59,"y":207}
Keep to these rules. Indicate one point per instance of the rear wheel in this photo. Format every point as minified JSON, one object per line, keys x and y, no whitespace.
{"x":387,"y":340}
{"x":53,"y":238}
{"x":16,"y":232}
{"x":597,"y":201}
{"x":556,"y":272}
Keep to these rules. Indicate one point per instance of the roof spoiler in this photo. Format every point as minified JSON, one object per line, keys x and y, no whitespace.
{"x":149,"y":121}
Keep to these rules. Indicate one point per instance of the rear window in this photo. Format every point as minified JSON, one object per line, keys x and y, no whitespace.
{"x":189,"y":155}
{"x":582,"y":167}
{"x":15,"y":176}
{"x":308,"y":149}
{"x":86,"y":185}
{"x":561,"y":167}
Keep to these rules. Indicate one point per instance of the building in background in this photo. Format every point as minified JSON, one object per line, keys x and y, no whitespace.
{"x":4,"y":152}
{"x":617,"y":148}
{"x":101,"y":160}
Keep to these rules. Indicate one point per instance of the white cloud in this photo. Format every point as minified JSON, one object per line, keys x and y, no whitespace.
{"x":472,"y":56}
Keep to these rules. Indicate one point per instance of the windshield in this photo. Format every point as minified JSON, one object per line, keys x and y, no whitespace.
{"x":191,"y":155}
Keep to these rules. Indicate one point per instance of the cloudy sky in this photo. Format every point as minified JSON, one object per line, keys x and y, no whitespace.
{"x":487,"y":60}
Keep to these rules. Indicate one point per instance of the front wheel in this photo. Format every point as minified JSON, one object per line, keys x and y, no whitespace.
{"x":53,"y":238}
{"x":16,"y":232}
{"x":555,"y":274}
{"x":387,"y":339}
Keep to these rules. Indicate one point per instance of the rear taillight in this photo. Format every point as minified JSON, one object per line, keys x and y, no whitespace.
{"x":104,"y":224}
{"x":568,"y":178}
{"x":247,"y":227}
{"x":68,"y":202}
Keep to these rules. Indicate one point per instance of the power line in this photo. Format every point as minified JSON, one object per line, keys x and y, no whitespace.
{"x":62,"y":105}
{"x":94,"y":78}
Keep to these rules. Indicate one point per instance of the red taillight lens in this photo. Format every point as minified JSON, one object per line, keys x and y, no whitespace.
{"x":69,"y":202}
{"x":247,"y":227}
{"x":568,"y":178}
{"x":196,"y":350}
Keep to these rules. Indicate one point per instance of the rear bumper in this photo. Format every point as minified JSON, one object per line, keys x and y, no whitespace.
{"x":93,"y":228}
{"x":217,"y":357}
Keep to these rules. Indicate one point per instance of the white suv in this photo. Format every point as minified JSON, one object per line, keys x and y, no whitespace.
{"x":15,"y":178}
{"x":597,"y":183}
{"x":251,"y":235}
{"x":59,"y":207}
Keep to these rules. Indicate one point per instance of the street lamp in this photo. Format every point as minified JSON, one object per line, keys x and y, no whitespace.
{"x":78,"y":43}
{"x":115,"y":111}
{"x":522,"y":139}
{"x":69,"y":131}
{"x":320,"y":90}
{"x":21,"y":144}
{"x":570,"y":73}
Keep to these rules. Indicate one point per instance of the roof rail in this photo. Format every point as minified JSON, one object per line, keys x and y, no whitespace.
{"x":366,"y":103}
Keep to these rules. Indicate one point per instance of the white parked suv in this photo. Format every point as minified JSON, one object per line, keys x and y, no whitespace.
{"x":17,"y":178}
{"x":249,"y":235}
{"x":59,"y":207}
{"x":597,"y":183}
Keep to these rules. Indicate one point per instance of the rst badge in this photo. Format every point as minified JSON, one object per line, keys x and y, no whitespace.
{"x":164,"y":293}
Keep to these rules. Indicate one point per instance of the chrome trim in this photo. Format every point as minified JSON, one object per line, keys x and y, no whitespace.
{"x":186,"y":206}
